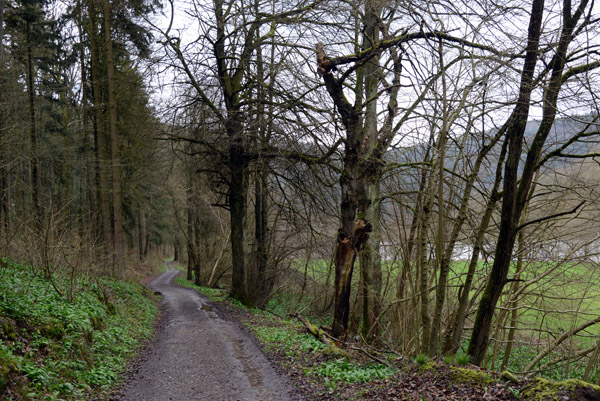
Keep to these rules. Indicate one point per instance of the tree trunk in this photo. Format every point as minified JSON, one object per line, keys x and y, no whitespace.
{"x":237,"y":210}
{"x":440,"y":239}
{"x":197,"y":246}
{"x":353,"y":233}
{"x":67,"y":169}
{"x":349,"y":240}
{"x":517,"y":190}
{"x":86,"y":134}
{"x":140,"y":226}
{"x":36,"y":178}
{"x":147,"y":240}
{"x":119,"y":254}
{"x":405,"y":317}
{"x":261,"y":206}
{"x":261,"y":233}
{"x":509,"y":213}
{"x":191,"y":251}
{"x":2,"y":33}
{"x":454,"y":332}
{"x":370,"y":264}
{"x":369,"y":180}
{"x":238,"y":164}
{"x":344,"y":264}
{"x":423,"y":265}
{"x":191,"y":255}
{"x":3,"y":173}
{"x":449,"y":344}
{"x":513,"y":307}
{"x":176,"y":250}
{"x":102,"y":157}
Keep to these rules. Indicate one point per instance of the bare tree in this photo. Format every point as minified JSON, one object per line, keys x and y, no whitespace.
{"x":516,"y":188}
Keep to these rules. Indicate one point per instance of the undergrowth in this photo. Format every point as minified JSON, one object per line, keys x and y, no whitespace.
{"x":304,"y":350}
{"x":55,"y":348}
{"x":286,"y":339}
{"x":213,"y":294}
{"x":343,"y":371}
{"x":521,"y":356}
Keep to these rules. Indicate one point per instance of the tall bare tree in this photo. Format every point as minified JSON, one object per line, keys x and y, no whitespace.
{"x":516,"y":187}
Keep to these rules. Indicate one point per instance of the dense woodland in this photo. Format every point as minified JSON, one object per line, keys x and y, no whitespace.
{"x":421,"y":176}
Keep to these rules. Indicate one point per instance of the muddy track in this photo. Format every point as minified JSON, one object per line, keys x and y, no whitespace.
{"x":198,"y":355}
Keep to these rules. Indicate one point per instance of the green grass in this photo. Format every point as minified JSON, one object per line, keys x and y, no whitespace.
{"x":287,"y":339}
{"x":68,"y":349}
{"x":296,"y":345}
{"x":342,"y":371}
{"x":460,"y":358}
{"x":213,"y":294}
{"x":521,"y":356}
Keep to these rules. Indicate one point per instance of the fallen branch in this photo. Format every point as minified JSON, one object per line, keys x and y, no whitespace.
{"x":331,"y":342}
{"x":318,"y":333}
{"x":557,"y":342}
{"x":373,"y":357}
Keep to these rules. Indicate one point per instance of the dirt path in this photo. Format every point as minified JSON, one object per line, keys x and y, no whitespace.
{"x":199,"y":356}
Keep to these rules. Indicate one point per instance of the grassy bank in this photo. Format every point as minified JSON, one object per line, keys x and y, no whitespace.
{"x":67,"y":338}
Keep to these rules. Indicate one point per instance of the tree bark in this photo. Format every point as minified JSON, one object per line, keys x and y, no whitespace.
{"x":198,"y":279}
{"x":36,"y":178}
{"x":2,"y":31}
{"x":369,"y":180}
{"x":86,"y":133}
{"x":3,"y":173}
{"x":176,"y":250}
{"x":237,"y":210}
{"x":140,"y":233}
{"x":191,"y":256}
{"x":261,"y":210}
{"x":101,"y":148}
{"x":147,"y":240}
{"x":364,"y":147}
{"x":405,"y":317}
{"x":370,"y":264}
{"x":513,"y":306}
{"x":423,"y":267}
{"x":191,"y":249}
{"x":261,"y":190}
{"x":119,"y":254}
{"x":451,"y":243}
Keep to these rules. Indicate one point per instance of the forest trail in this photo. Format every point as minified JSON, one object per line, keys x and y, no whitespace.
{"x":199,"y":356}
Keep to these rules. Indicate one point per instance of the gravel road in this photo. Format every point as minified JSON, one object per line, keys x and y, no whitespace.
{"x":199,"y":356}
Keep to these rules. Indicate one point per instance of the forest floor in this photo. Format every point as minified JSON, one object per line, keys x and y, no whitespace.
{"x":197,"y":355}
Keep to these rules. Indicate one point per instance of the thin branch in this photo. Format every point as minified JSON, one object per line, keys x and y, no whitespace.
{"x":542,"y":219}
